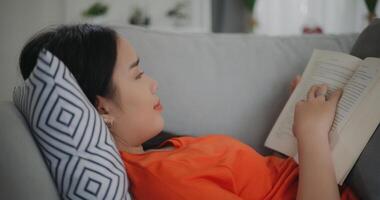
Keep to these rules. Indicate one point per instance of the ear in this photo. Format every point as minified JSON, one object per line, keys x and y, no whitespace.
{"x":102,"y":105}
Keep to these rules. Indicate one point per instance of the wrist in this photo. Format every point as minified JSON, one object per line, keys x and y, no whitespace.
{"x":309,"y":139}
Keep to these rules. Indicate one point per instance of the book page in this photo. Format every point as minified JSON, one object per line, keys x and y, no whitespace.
{"x":353,"y":92}
{"x":360,"y":117}
{"x":331,"y":68}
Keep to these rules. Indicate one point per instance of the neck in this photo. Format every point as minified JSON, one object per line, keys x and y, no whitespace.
{"x":124,"y":146}
{"x":134,"y":150}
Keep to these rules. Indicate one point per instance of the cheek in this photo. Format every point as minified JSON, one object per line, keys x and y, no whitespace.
{"x":143,"y":118}
{"x":138,"y":126}
{"x":138,"y":121}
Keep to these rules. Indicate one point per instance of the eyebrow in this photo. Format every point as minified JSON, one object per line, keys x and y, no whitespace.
{"x":134,"y":64}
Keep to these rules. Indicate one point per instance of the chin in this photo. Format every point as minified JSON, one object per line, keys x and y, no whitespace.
{"x":160,"y":124}
{"x":155,"y":127}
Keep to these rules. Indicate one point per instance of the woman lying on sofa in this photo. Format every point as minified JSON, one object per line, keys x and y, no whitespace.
{"x":209,"y":167}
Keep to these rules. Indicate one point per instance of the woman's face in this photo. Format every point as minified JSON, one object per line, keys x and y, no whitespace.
{"x":133,"y":107}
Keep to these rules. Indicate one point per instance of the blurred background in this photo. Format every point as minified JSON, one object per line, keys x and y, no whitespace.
{"x":20,"y":19}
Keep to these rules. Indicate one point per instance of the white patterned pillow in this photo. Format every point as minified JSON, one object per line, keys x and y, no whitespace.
{"x":72,"y":137}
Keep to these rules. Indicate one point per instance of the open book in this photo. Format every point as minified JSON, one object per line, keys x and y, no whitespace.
{"x":357,"y":114}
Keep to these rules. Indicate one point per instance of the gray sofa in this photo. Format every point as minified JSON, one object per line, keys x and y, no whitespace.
{"x":234,"y":84}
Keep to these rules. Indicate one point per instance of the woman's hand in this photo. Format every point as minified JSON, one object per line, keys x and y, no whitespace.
{"x":314,"y":116}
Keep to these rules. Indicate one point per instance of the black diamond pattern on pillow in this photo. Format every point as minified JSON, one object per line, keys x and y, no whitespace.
{"x":73,"y":139}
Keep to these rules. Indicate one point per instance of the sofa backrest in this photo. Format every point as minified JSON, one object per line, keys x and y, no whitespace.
{"x":235,"y":84}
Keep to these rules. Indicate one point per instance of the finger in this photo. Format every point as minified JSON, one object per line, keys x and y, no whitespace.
{"x":311,"y":92}
{"x":335,"y":96}
{"x":321,"y":92}
{"x":294,"y":83}
{"x":300,"y":102}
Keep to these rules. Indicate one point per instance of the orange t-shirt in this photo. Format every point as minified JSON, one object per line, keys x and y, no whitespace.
{"x":212,"y":167}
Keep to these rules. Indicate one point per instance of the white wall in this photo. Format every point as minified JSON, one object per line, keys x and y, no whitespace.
{"x":120,"y":11}
{"x":19,"y":20}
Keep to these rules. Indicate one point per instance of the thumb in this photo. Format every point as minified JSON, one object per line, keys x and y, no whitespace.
{"x":335,"y":96}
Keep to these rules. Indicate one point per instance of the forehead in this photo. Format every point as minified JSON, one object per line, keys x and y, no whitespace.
{"x":125,"y":50}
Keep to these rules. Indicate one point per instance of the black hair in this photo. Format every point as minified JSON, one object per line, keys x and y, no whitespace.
{"x":89,"y":52}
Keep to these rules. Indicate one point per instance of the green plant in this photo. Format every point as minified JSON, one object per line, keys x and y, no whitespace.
{"x":178,"y":11}
{"x":250,"y":4}
{"x":371,"y":5}
{"x":96,"y":9}
{"x":138,"y":17}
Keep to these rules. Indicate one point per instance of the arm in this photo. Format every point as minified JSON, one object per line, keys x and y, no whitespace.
{"x":312,"y":122}
{"x":316,"y":171}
